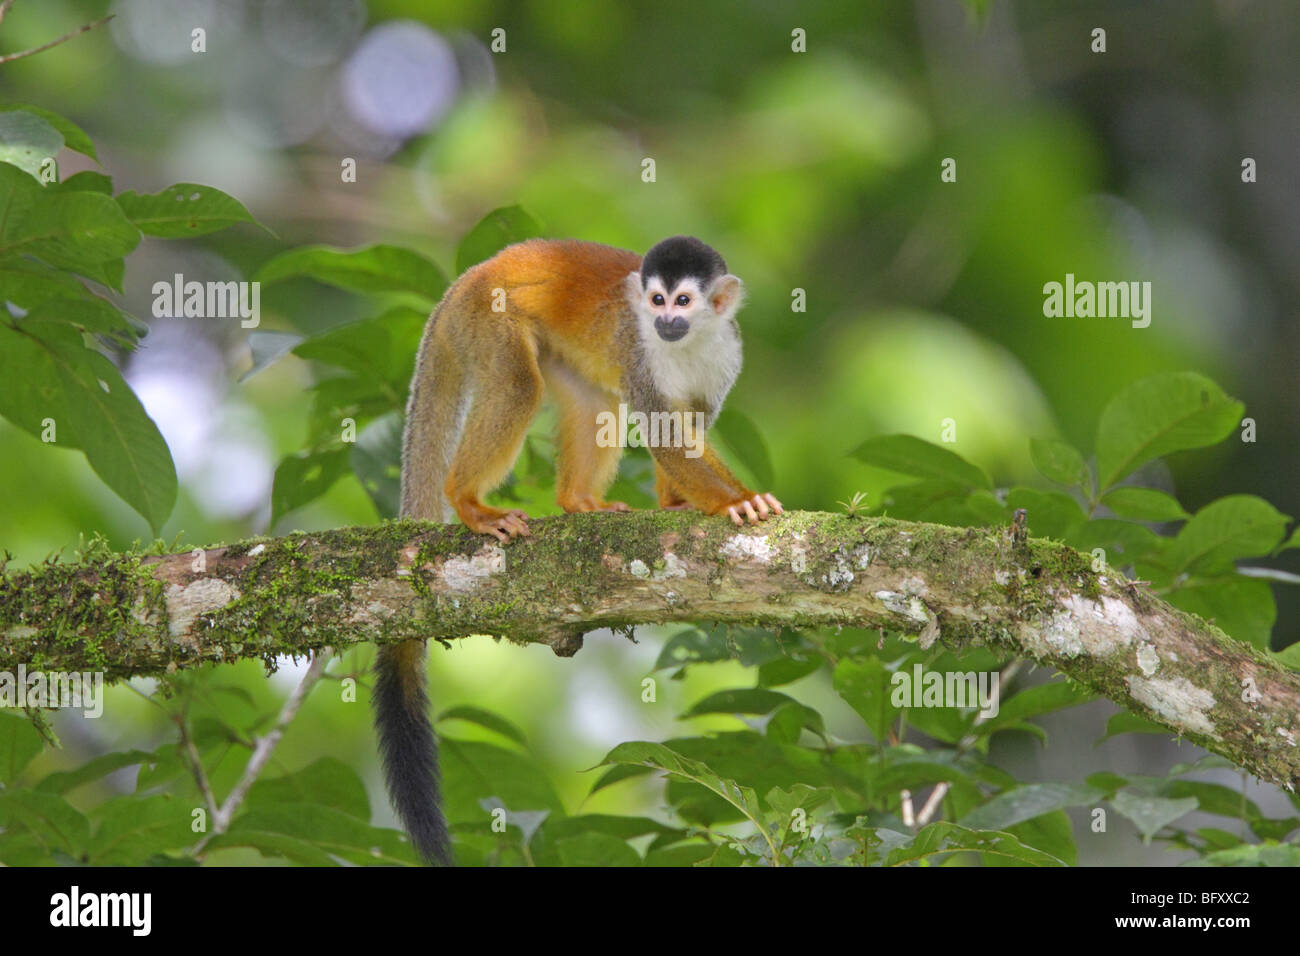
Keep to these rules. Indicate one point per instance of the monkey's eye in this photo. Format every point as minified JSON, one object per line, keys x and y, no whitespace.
{"x":683,"y":300}
{"x":657,"y":298}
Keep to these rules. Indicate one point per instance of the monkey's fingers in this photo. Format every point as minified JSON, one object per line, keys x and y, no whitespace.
{"x":515,"y":522}
{"x":771,"y":502}
{"x":750,"y":513}
{"x":736,"y":519}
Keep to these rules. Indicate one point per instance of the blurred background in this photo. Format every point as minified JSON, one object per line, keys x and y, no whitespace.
{"x":816,"y":170}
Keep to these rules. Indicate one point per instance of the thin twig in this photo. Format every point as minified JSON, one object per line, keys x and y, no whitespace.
{"x":905,"y":805}
{"x":266,"y":745}
{"x":196,"y":768}
{"x":941,"y":790}
{"x":67,"y":36}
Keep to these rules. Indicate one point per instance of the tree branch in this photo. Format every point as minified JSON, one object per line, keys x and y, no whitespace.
{"x":9,"y":57}
{"x":132,"y":614}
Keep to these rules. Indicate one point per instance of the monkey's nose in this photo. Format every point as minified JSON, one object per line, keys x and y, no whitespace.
{"x":672,"y":329}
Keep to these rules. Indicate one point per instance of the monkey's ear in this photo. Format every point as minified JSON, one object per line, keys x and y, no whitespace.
{"x":632,"y":286}
{"x":726,"y":295}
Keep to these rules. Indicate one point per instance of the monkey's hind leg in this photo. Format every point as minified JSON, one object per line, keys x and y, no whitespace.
{"x":584,"y":466}
{"x":500,"y":412}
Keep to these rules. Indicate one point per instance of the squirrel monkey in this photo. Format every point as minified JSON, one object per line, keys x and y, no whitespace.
{"x":598,"y":327}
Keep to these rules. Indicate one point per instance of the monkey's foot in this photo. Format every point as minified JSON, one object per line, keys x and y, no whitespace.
{"x":590,"y":503}
{"x":503,"y":525}
{"x":756,"y":509}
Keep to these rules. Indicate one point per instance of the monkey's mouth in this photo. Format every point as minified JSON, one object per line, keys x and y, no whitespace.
{"x":670,"y":330}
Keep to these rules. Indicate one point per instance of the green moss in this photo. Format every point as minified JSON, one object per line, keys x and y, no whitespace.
{"x":82,"y":617}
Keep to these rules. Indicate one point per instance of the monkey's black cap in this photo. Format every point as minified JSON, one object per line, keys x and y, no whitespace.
{"x":674,"y":259}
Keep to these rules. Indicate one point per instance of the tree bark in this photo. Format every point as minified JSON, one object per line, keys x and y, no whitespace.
{"x":150,"y":615}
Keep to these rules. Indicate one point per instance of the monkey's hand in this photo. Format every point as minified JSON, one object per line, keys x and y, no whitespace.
{"x":755,"y":509}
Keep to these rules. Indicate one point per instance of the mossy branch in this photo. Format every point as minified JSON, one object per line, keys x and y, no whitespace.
{"x":135,"y":614}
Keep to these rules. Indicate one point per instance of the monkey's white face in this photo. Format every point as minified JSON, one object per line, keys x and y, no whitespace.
{"x":688,"y":336}
{"x":674,"y":312}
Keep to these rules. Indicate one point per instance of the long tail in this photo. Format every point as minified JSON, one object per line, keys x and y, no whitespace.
{"x":407,"y":744}
{"x":409,"y":748}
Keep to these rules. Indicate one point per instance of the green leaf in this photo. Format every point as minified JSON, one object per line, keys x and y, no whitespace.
{"x":498,"y":229}
{"x":46,"y":372}
{"x":799,"y":797}
{"x":721,"y":642}
{"x":659,"y":757}
{"x":1123,"y":541}
{"x":596,"y":849}
{"x":1237,"y":526}
{"x":910,"y":455}
{"x":89,"y":313}
{"x":1144,"y":504}
{"x":1052,"y":833}
{"x":19,"y":743}
{"x":1049,"y":514}
{"x":27,"y":140}
{"x":51,"y":820}
{"x":473,"y":771}
{"x":754,"y":700}
{"x":943,"y":837}
{"x":377,"y":462}
{"x":82,"y":231}
{"x":183,"y":210}
{"x":288,"y":827}
{"x":484,"y":718}
{"x":787,"y":670}
{"x":1149,"y":813}
{"x":304,"y":477}
{"x":1228,"y":802}
{"x":377,"y":268}
{"x":1269,"y":853}
{"x":380,"y":350}
{"x":85,"y":181}
{"x":271,"y":845}
{"x":1059,"y":462}
{"x":1127,"y":723}
{"x":1025,"y":803}
{"x":987,"y":509}
{"x":74,"y":137}
{"x":942,"y":502}
{"x":95,"y":769}
{"x":1243,"y":607}
{"x":346,"y":396}
{"x":328,"y":782}
{"x":1159,"y":415}
{"x":864,"y":683}
{"x":1289,"y":656}
{"x":49,"y":294}
{"x":742,"y":438}
{"x":268,"y":348}
{"x":132,"y":829}
{"x":1034,"y":701}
